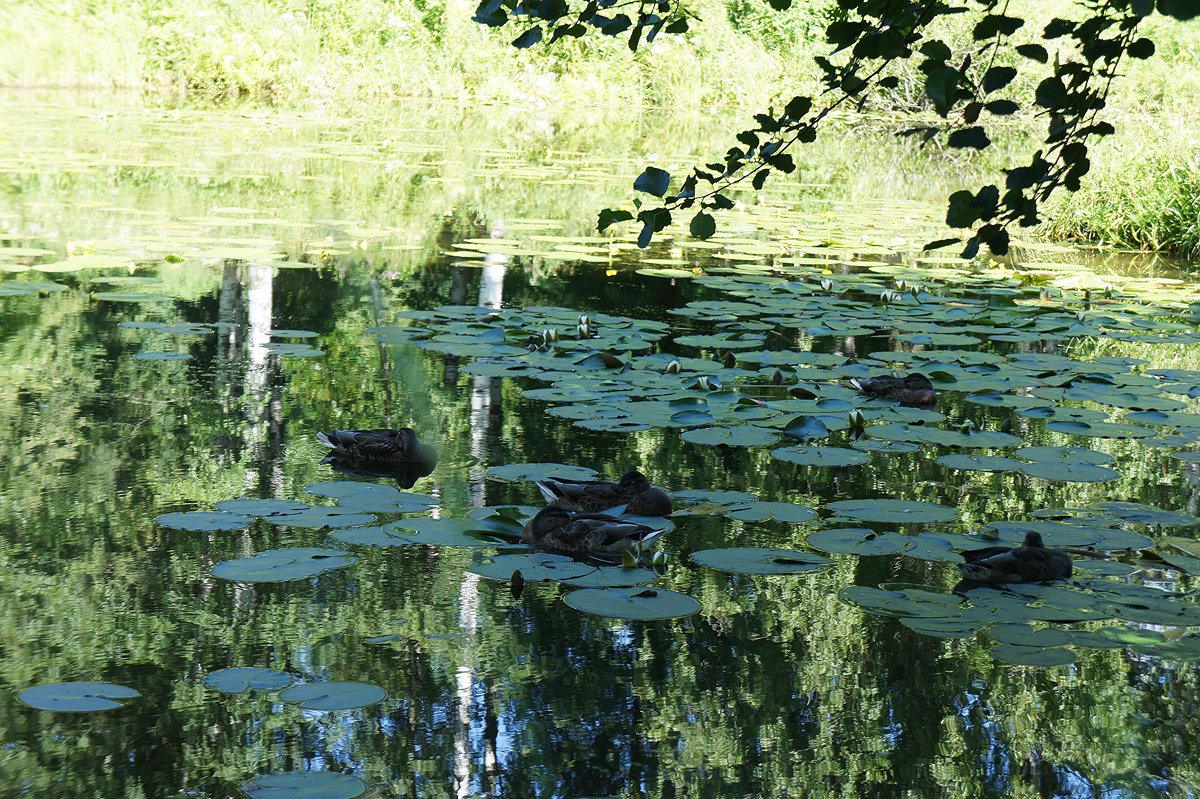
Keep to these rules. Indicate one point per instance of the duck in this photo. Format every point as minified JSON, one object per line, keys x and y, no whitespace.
{"x":587,"y":533}
{"x":382,"y":446}
{"x":592,"y":496}
{"x":1031,"y":562}
{"x":913,"y":391}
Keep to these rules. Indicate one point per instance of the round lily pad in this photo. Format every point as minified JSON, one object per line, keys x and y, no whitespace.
{"x":162,"y":356}
{"x":249,"y":506}
{"x":534,"y":567}
{"x":784,"y":512}
{"x":321,"y":517}
{"x":204,"y":521}
{"x":859,"y":541}
{"x":897,"y":511}
{"x":239,"y":679}
{"x":1064,"y":455}
{"x":1138,"y":513}
{"x":525,"y":472}
{"x":305,"y":785}
{"x":282,"y":565}
{"x":758,"y":560}
{"x":334,"y":695}
{"x":740,"y":436}
{"x":77,"y":697}
{"x":970,"y":462}
{"x":1070,"y":472}
{"x":612,"y":577}
{"x":1027,"y":635}
{"x":636,"y":603}
{"x":820,"y":456}
{"x":1033,"y":655}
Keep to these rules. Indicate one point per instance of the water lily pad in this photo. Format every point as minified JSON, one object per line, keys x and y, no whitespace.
{"x":77,"y":697}
{"x":1137,"y":513}
{"x":321,"y":517}
{"x":820,"y":456}
{"x":1033,"y":655}
{"x":784,"y":512}
{"x":1064,"y":455}
{"x":896,"y":511}
{"x":1027,"y":635}
{"x":612,"y":577}
{"x":859,"y":541}
{"x":334,"y":695}
{"x":636,"y":603}
{"x":204,"y":521}
{"x":534,"y":567}
{"x":527,"y":472}
{"x":970,"y":462}
{"x":1070,"y":472}
{"x":250,"y":506}
{"x":239,"y":679}
{"x":282,"y":565}
{"x":757,"y":560}
{"x":305,"y":785}
{"x":162,"y":356}
{"x":740,"y":436}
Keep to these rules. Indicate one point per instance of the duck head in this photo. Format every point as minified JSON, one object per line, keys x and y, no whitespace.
{"x":633,"y":482}
{"x":546,"y":520}
{"x":1034,"y":540}
{"x":651,"y":502}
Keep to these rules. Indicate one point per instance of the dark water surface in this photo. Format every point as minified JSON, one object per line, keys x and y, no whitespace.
{"x":777,"y":687}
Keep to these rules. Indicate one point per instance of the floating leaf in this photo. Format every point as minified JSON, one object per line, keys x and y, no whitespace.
{"x":969,"y":462}
{"x":637,"y":603}
{"x":1070,"y":472}
{"x":203,"y":520}
{"x":535,"y":567}
{"x":1033,"y":655}
{"x":282,"y":565}
{"x":305,"y":785}
{"x":784,"y":512}
{"x":897,"y":511}
{"x":612,"y":577}
{"x":820,"y":456}
{"x":239,"y":679}
{"x":77,"y":697}
{"x":757,"y":560}
{"x":740,"y":436}
{"x":334,"y":695}
{"x":859,"y":541}
{"x":528,"y":472}
{"x":248,"y":506}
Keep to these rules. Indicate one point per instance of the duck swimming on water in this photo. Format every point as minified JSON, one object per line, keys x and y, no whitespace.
{"x":591,"y":496}
{"x":1031,"y":562}
{"x":380,"y":446}
{"x":587,"y":533}
{"x":913,"y":391}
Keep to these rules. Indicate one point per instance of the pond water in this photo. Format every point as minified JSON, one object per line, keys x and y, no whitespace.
{"x":187,"y":298}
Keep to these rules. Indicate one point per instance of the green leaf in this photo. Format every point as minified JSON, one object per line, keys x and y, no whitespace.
{"x":997,"y":78}
{"x":611,"y":216}
{"x":941,"y":85}
{"x":334,"y":695}
{"x":638,"y":603}
{"x":306,"y":784}
{"x":703,"y":225}
{"x":974,"y":137}
{"x":77,"y":697}
{"x":653,"y":181}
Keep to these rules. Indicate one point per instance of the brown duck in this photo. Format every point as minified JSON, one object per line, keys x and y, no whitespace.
{"x":590,"y":533}
{"x":592,"y":496}
{"x":1031,"y":562}
{"x":913,"y":391}
{"x":392,"y":447}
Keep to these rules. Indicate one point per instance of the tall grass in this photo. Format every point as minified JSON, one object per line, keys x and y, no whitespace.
{"x":1143,"y":194}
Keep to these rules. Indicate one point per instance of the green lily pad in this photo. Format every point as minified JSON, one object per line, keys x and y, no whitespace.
{"x":758,"y":560}
{"x":1137,"y":513}
{"x":334,"y":695}
{"x":784,"y":512}
{"x":740,"y":436}
{"x":77,"y":697}
{"x":970,"y":462}
{"x":528,"y":472}
{"x":321,"y":517}
{"x":283,"y":565}
{"x":1033,"y":655}
{"x":859,"y":541}
{"x":1026,"y":635}
{"x":1064,"y":454}
{"x":250,"y":506}
{"x":204,"y":521}
{"x":305,"y":785}
{"x":534,"y":567}
{"x":896,"y":511}
{"x":1069,"y":472}
{"x":820,"y":456}
{"x":162,"y":356}
{"x":637,"y":603}
{"x":239,"y":679}
{"x":612,"y":577}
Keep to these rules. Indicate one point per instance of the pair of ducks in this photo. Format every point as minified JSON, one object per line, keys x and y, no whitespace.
{"x":573,"y":521}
